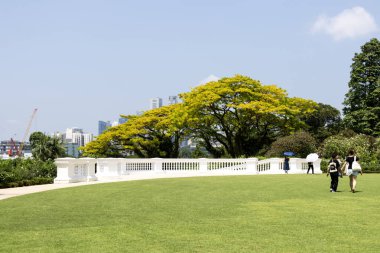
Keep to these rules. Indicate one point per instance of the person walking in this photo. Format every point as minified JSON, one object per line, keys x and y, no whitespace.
{"x":310,"y":166}
{"x":333,"y":170}
{"x":286,"y":164}
{"x":352,"y":173}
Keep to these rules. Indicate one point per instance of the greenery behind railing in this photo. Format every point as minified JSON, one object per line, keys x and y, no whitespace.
{"x":24,"y":172}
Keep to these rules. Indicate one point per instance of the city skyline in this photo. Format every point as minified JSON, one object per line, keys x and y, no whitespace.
{"x":79,"y":62}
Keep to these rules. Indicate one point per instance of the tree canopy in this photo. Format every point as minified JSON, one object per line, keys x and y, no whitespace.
{"x":324,"y":122}
{"x":45,"y":147}
{"x":238,"y":116}
{"x":232,"y":117}
{"x":156,"y":133}
{"x":362,"y":101}
{"x":301,"y":143}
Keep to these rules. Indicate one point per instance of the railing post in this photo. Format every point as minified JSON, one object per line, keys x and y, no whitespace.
{"x":91,"y":169}
{"x":64,"y":170}
{"x":157,"y":164}
{"x":252,"y":165}
{"x":202,"y":164}
{"x":317,"y":167}
{"x":275,"y":166}
{"x":294,"y":166}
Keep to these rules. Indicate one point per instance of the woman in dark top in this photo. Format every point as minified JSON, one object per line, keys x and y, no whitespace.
{"x":352,"y":174}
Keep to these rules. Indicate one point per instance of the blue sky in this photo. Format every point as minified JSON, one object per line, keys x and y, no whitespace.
{"x":83,"y":61}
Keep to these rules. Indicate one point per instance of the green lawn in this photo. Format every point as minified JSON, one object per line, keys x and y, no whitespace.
{"x":266,"y":213}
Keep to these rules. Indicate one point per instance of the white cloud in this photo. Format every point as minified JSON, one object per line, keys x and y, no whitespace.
{"x":210,"y":78}
{"x":350,"y":23}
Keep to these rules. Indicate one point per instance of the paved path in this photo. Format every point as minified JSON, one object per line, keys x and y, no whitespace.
{"x":18,"y":191}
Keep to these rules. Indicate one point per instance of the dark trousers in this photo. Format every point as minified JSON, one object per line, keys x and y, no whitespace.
{"x":334,"y":181}
{"x":310,"y":167}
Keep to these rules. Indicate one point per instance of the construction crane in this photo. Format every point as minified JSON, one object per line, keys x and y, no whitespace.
{"x":19,"y":152}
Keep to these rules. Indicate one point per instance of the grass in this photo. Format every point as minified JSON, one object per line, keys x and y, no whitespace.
{"x":267,"y":213}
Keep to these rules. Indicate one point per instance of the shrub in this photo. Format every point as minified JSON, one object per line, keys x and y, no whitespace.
{"x":366,"y":148}
{"x":302,"y":143}
{"x":24,"y":172}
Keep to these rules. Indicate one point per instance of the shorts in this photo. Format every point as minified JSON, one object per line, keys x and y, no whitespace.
{"x":353,"y":173}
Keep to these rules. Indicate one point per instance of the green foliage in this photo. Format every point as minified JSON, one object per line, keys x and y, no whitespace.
{"x":324,"y":122}
{"x":302,"y":143}
{"x":20,"y":172}
{"x":238,"y":116}
{"x":197,"y":152}
{"x":366,"y":148}
{"x":362,"y":102}
{"x":156,"y":133}
{"x":232,"y":117}
{"x":45,"y":147}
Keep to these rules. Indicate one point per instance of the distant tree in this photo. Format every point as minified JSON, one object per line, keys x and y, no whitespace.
{"x":156,"y":133}
{"x":302,"y":143}
{"x":362,"y":101}
{"x":45,"y":147}
{"x":35,"y":138}
{"x":324,"y":122}
{"x":238,"y":116}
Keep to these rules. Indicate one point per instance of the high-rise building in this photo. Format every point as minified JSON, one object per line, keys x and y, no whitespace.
{"x":102,"y":126}
{"x":72,"y":149}
{"x":70,"y":132}
{"x":173,"y":100}
{"x":77,"y":138}
{"x":87,"y":137}
{"x":155,"y":103}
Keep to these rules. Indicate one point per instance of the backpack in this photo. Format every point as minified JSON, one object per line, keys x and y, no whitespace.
{"x":332,"y":167}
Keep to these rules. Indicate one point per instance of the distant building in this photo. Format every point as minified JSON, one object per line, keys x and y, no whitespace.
{"x":87,"y":137}
{"x":75,"y":138}
{"x":155,"y":103}
{"x":70,"y":133}
{"x":122,"y":120}
{"x":11,"y":147}
{"x":173,"y":100}
{"x":72,"y":149}
{"x":102,"y":126}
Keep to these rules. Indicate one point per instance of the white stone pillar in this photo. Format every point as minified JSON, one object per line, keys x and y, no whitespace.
{"x":317,"y":167}
{"x":252,"y":165}
{"x":295,"y":166}
{"x":64,"y":170}
{"x":275,"y":167}
{"x":157,"y":165}
{"x":91,"y":169}
{"x":202,"y":165}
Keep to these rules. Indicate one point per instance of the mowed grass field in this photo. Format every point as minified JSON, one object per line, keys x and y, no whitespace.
{"x":264,"y":213}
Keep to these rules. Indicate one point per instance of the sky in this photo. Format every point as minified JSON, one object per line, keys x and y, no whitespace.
{"x":81,"y":61}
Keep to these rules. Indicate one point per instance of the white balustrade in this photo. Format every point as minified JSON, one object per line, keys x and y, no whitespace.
{"x":71,"y":170}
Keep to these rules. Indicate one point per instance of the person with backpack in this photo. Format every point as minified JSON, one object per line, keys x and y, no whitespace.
{"x":333,"y":170}
{"x":353,"y":169}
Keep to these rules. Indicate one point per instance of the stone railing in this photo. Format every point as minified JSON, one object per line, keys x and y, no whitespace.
{"x":70,"y":170}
